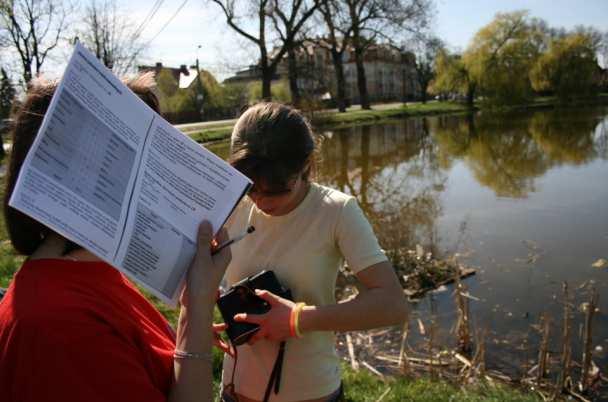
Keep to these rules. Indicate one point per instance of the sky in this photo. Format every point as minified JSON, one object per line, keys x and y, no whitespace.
{"x":221,"y":51}
{"x":182,"y":30}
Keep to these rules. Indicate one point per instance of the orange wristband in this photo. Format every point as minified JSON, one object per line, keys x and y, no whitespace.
{"x":294,"y":320}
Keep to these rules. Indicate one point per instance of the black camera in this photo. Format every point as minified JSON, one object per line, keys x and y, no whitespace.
{"x":241,"y":298}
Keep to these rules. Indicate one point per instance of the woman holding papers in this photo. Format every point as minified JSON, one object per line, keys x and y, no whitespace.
{"x":72,"y":328}
{"x":304,"y":233}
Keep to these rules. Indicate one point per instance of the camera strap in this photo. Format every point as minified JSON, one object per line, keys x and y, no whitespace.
{"x":275,"y":375}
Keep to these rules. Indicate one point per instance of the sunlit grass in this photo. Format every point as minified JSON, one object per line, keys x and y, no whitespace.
{"x":362,"y":386}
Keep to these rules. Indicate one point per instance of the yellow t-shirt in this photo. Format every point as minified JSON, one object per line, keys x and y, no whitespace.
{"x":305,"y":249}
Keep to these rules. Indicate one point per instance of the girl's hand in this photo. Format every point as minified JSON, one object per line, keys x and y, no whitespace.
{"x":274,"y":325}
{"x":218,"y":341}
{"x":206,"y":271}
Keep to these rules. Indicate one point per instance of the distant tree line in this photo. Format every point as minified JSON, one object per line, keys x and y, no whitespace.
{"x":281,"y":26}
{"x":508,"y":61}
{"x":515,"y":57}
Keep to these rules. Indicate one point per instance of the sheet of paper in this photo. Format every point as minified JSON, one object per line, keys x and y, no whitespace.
{"x":110,"y":174}
{"x":180,"y":183}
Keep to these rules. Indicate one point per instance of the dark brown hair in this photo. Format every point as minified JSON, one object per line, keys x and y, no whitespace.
{"x":27,"y":234}
{"x":272,"y":143}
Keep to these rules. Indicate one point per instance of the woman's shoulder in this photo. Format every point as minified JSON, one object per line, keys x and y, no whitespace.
{"x":330,"y":196}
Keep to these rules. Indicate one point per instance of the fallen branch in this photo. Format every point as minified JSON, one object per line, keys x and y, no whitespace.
{"x":385,"y":393}
{"x":351,"y":352}
{"x":372,"y":369}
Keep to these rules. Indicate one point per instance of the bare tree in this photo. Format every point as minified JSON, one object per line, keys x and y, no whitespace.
{"x":426,"y":49}
{"x":337,"y":23}
{"x":286,"y":23}
{"x":287,"y":30}
{"x":386,"y":20}
{"x":33,"y":28}
{"x":111,"y":36}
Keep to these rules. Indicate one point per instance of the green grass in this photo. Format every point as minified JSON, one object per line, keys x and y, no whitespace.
{"x":335,"y":119}
{"x":211,"y":134}
{"x":363,"y":117}
{"x":354,"y":117}
{"x":362,"y":386}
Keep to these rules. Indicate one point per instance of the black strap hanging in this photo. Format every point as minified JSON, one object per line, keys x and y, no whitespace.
{"x":275,"y":375}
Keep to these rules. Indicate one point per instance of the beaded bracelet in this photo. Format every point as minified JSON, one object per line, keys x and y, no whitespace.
{"x":182,"y":354}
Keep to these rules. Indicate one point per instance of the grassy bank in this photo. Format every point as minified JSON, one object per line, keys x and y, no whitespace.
{"x":380,"y":113}
{"x":328,"y":120}
{"x":356,"y":117}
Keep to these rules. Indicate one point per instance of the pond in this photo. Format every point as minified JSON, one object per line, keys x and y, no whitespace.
{"x":522,"y":197}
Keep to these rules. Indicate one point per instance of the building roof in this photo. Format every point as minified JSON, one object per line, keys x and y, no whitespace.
{"x":183,"y":75}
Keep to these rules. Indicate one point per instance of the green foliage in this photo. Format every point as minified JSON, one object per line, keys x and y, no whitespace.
{"x":568,"y":68}
{"x":221,"y":101}
{"x":181,"y":105}
{"x":452,"y":76}
{"x":501,"y":56}
{"x":166,"y":83}
{"x":279,"y":91}
{"x":7,"y":95}
{"x":515,"y":55}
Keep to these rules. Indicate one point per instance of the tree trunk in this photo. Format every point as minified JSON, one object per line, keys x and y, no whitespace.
{"x":266,"y":85}
{"x":340,"y":81}
{"x":267,"y":74}
{"x":361,"y":79}
{"x":27,"y":72}
{"x":471,"y":95}
{"x":292,"y":66}
{"x":365,"y":166}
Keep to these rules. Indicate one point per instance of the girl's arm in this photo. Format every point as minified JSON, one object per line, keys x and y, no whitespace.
{"x":381,"y":303}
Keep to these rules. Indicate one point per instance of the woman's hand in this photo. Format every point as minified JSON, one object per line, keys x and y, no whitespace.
{"x":206,"y":271}
{"x":218,"y":342}
{"x":274,"y":325}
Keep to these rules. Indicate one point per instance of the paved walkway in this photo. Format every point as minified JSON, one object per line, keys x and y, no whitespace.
{"x":190,"y":127}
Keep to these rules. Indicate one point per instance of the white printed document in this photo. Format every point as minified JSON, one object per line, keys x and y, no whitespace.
{"x":113,"y":176}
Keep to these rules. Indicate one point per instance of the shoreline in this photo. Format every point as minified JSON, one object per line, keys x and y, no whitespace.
{"x":327,"y":120}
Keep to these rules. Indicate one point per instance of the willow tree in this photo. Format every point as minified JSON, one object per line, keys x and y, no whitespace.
{"x":568,"y":69}
{"x":501,"y":55}
{"x":453,"y":77}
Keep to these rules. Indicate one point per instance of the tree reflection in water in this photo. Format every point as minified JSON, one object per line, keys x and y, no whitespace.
{"x":398,"y":170}
{"x":508,"y":152}
{"x":393,"y":172}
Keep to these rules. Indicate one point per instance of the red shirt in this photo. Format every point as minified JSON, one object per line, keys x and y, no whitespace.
{"x":80,"y":331}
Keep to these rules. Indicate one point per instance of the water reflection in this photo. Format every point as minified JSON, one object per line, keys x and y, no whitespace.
{"x":393,"y":172}
{"x":507,"y":153}
{"x":507,"y":180}
{"x":397,"y":171}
